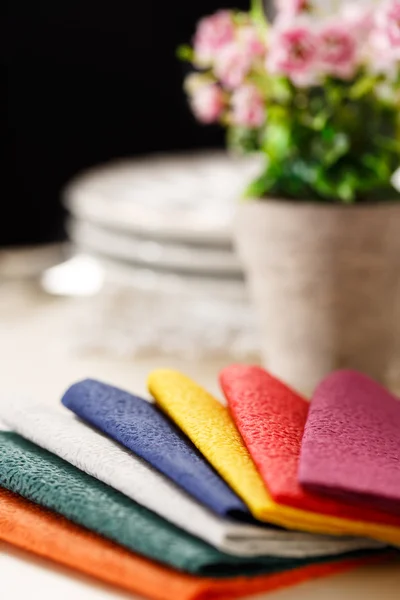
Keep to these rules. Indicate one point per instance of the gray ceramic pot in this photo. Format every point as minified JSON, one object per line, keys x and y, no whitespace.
{"x":324,"y":281}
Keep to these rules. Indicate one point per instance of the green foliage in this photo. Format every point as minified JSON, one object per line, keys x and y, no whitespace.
{"x":185,"y":53}
{"x":335,"y":143}
{"x":243,"y":139}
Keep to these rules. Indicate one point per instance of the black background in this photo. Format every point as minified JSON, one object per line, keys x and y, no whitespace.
{"x":86,"y":81}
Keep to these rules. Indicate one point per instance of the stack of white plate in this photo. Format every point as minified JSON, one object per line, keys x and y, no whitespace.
{"x":163,"y":225}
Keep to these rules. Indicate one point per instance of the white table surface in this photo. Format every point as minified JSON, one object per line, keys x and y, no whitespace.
{"x":39,"y":357}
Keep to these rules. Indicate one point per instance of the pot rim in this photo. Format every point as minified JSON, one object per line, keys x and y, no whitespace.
{"x":319,"y":205}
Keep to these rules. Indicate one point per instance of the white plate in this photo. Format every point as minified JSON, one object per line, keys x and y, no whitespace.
{"x":153,"y":253}
{"x":179,"y":285}
{"x":188,"y":197}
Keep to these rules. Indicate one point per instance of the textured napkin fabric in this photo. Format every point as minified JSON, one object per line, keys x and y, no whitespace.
{"x":140,"y":427}
{"x":53,"y":483}
{"x":58,"y":431}
{"x":271,"y":418}
{"x":46,"y":534}
{"x":208,"y":424}
{"x":351,"y":443}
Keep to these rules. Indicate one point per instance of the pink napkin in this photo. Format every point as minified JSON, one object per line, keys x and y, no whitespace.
{"x":351,"y":442}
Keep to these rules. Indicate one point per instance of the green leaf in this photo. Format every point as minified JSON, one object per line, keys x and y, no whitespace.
{"x":243,"y":139}
{"x":388,"y":143}
{"x":261,"y":186}
{"x":339,"y":147}
{"x":323,"y":185}
{"x":319,"y":122}
{"x":261,"y":81}
{"x":346,"y":192}
{"x":278,"y":143}
{"x":378,"y":165}
{"x":257,"y":13}
{"x":281,"y":89}
{"x":185,"y":53}
{"x":328,"y":134}
{"x":362,"y":86}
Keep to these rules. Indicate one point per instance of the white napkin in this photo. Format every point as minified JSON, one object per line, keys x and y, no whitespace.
{"x":60,"y":432}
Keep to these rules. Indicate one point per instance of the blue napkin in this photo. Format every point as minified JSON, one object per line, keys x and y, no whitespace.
{"x":143,"y":429}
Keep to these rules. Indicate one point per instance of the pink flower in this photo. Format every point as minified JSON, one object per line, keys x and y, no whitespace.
{"x":248,"y":107}
{"x":337,"y":50}
{"x":207,"y":102}
{"x":385,"y":38}
{"x":359,"y":17}
{"x":291,"y":8}
{"x":293,"y":52}
{"x":213,"y":33}
{"x":388,"y":22}
{"x":232,"y":65}
{"x":250,"y":40}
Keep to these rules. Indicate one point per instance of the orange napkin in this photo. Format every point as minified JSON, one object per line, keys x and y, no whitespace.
{"x":42,"y":532}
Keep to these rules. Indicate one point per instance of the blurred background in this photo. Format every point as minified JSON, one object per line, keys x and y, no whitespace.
{"x":93,"y":86}
{"x":82,"y":84}
{"x":117,"y":203}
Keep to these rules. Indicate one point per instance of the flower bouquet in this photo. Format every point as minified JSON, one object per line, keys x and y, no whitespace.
{"x":317,"y":94}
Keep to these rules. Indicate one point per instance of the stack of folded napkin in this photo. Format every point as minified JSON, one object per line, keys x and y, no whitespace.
{"x":187,"y":499}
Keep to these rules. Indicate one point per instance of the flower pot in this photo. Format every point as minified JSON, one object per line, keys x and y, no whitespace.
{"x":324,"y":281}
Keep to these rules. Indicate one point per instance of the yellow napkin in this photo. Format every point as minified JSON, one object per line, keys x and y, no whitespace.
{"x":211,"y":428}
